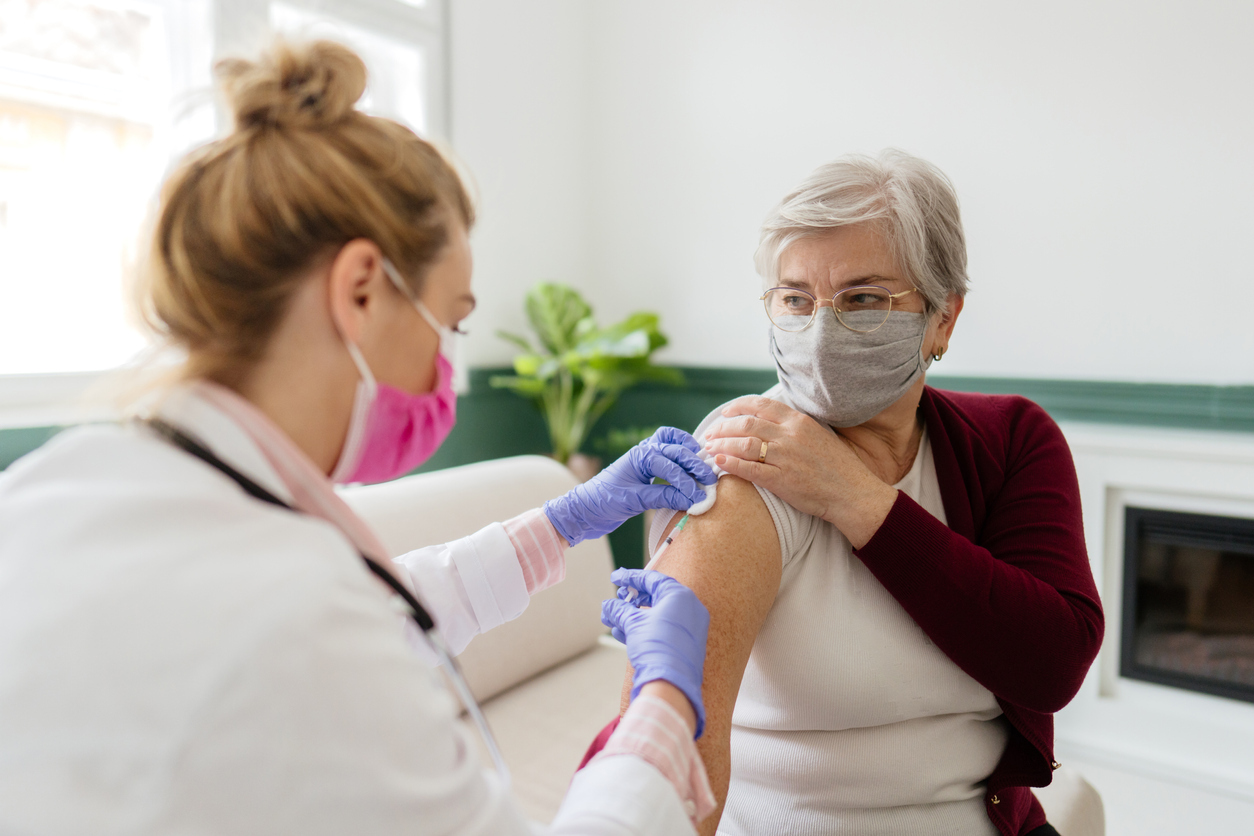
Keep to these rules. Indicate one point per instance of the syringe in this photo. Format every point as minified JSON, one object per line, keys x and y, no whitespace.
{"x":632,"y":594}
{"x":670,"y":538}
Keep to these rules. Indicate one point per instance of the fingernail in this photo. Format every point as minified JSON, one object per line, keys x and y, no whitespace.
{"x":720,"y":460}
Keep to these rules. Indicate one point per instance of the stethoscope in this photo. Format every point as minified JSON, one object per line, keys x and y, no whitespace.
{"x":414,"y":609}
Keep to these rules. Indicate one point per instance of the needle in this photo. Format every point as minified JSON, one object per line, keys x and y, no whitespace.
{"x":632,"y":594}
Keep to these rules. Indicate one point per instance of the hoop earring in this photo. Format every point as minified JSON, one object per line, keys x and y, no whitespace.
{"x":937,"y":357}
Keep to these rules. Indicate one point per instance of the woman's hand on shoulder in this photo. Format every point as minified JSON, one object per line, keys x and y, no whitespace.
{"x":807,"y":465}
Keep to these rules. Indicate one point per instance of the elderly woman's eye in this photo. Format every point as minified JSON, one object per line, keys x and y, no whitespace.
{"x":789,"y":302}
{"x":864,"y":300}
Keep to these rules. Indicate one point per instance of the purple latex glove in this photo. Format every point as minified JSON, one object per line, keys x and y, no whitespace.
{"x":625,"y":488}
{"x":665,"y":641}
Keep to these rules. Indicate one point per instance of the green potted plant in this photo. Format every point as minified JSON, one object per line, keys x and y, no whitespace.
{"x":577,"y":370}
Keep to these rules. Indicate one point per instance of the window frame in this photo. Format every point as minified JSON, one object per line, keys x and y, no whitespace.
{"x":240,"y":27}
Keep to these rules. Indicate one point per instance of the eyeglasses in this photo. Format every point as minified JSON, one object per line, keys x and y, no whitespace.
{"x":861,"y":309}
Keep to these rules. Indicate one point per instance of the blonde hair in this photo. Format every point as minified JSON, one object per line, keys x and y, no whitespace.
{"x":302,"y":173}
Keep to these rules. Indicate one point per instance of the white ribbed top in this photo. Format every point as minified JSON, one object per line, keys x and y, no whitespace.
{"x":849,"y":720}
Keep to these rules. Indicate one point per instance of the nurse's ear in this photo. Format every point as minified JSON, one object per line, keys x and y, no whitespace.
{"x":356,"y":287}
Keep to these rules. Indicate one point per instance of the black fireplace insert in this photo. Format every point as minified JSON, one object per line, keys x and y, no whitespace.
{"x":1188,"y":602}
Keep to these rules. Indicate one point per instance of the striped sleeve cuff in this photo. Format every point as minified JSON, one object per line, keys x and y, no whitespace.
{"x":654,"y":732}
{"x":541,"y":550}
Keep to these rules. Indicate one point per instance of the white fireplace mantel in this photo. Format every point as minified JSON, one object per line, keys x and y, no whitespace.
{"x":1157,"y":731}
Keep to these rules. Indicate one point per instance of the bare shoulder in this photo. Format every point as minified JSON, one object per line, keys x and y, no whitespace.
{"x":729,"y":556}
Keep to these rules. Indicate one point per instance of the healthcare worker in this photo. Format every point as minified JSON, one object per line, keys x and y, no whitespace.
{"x":197,"y":635}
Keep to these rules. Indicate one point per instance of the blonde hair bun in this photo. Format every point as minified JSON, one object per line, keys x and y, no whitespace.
{"x":309,"y":85}
{"x":242,"y":220}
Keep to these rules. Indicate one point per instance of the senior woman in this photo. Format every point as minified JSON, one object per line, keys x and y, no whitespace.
{"x":897,"y":581}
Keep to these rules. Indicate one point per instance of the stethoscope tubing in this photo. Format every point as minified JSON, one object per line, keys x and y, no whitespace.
{"x":414,"y":608}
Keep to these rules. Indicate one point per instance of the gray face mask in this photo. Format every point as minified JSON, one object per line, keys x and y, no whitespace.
{"x":845,"y":378}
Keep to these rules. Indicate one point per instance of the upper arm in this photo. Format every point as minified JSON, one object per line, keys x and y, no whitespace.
{"x":730,"y":557}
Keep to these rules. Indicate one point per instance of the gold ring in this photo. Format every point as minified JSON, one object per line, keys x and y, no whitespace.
{"x":762,"y":455}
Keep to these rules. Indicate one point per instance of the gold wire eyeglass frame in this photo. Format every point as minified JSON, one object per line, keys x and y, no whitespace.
{"x":892,"y":297}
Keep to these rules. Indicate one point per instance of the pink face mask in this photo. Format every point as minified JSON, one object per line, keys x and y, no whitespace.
{"x":391,"y":432}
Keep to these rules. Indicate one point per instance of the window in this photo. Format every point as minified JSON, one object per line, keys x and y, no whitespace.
{"x":399,"y":87}
{"x":97,"y":99}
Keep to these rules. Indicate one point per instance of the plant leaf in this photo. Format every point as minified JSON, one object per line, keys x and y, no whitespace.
{"x":616,"y":374}
{"x":548,"y":368}
{"x":578,"y":370}
{"x":555,"y":312}
{"x":521,"y":342}
{"x":635,"y":336}
{"x":584,"y":327}
{"x":528,"y":364}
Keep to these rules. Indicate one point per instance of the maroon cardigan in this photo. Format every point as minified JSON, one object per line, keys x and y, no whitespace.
{"x":1005,"y":590}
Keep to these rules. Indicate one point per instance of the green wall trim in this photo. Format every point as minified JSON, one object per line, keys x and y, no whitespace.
{"x":17,"y":442}
{"x":1185,"y":406}
{"x":493,"y":423}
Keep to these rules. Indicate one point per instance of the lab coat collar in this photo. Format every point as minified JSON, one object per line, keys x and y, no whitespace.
{"x":184,"y":407}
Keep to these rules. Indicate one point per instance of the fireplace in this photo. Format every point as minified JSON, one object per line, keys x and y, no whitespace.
{"x":1188,"y":602}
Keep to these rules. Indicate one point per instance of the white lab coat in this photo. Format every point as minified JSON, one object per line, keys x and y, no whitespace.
{"x":179,"y":658}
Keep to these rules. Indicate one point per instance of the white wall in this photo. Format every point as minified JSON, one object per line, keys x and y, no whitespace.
{"x":519,"y":115}
{"x":1101,"y":152}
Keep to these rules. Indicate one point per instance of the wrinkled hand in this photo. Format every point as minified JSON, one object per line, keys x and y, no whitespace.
{"x":667,"y":640}
{"x":807,"y":465}
{"x":625,"y":488}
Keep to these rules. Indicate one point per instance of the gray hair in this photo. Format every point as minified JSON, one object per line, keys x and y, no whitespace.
{"x":911,"y":200}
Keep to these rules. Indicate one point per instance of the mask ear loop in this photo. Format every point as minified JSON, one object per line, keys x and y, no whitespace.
{"x":445,"y":333}
{"x":426,"y":314}
{"x":389,"y":270}
{"x":363,"y":398}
